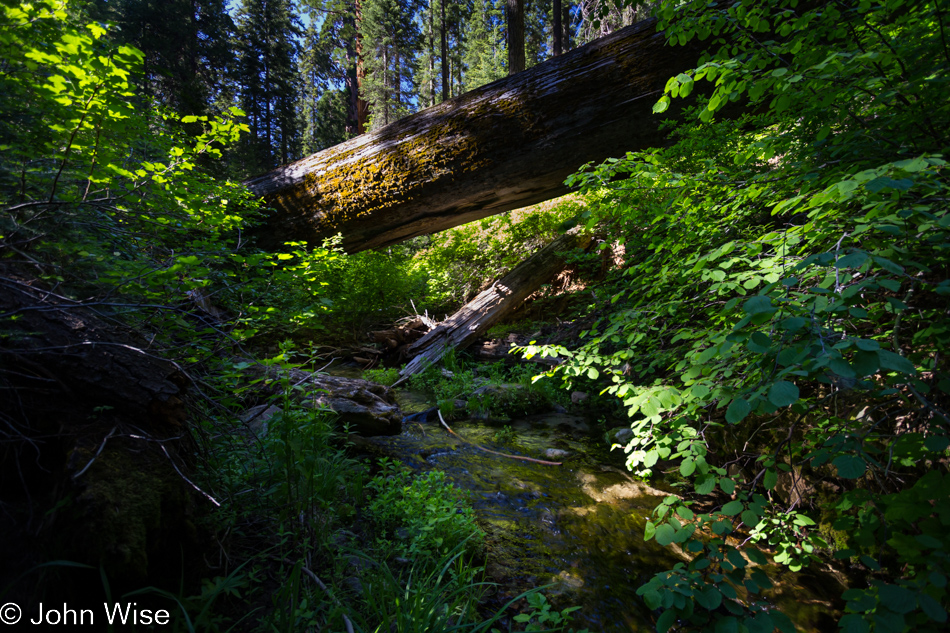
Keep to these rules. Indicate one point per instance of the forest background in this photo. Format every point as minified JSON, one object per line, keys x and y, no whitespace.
{"x":311,"y":74}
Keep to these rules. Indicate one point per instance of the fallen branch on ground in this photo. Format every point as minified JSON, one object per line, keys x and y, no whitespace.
{"x":482,"y":448}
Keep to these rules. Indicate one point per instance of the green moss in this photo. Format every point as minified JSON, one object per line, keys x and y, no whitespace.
{"x":353,"y":189}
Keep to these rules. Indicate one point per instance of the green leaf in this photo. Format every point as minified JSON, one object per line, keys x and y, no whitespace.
{"x":758,"y":305}
{"x":895,"y":362}
{"x":738,"y":409}
{"x":853,"y":623}
{"x":937,"y":443}
{"x":709,"y":599}
{"x":665,"y":621}
{"x":664,"y":534}
{"x":865,"y":363}
{"x":770,"y":479}
{"x":898,"y":599}
{"x":650,"y":459}
{"x":652,"y":600}
{"x":727,"y":624}
{"x":705,"y":484}
{"x":760,"y":623}
{"x":932,"y":608}
{"x":687,"y":467}
{"x":728,"y":485}
{"x":750,"y":518}
{"x":759,"y":342}
{"x":850,"y":466}
{"x":756,"y":556}
{"x":783,"y":393}
{"x":853,"y":260}
{"x":732,"y":508}
{"x":661,"y":105}
{"x":842,"y":368}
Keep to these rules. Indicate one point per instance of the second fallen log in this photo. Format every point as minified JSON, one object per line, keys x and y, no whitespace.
{"x":486,"y":309}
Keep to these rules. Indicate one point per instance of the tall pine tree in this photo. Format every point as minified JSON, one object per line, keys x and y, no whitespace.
{"x":187,"y":47}
{"x":485,"y":55}
{"x":267,"y":82}
{"x":391,"y":40}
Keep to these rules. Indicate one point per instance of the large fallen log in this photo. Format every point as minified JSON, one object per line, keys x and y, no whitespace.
{"x":503,"y":146}
{"x":486,"y":309}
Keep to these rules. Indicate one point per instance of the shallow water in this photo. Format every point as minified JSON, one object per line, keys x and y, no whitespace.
{"x":578,"y":525}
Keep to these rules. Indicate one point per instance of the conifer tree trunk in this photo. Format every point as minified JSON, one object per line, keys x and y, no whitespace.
{"x":362,"y":107}
{"x":566,"y":23}
{"x":445,"y":54}
{"x":515,"y":12}
{"x":431,"y":58}
{"x":556,"y":30}
{"x":505,"y":145}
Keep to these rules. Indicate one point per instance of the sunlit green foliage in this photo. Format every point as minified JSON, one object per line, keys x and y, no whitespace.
{"x":781,"y":315}
{"x":423,"y":515}
{"x":460,"y":261}
{"x":98,"y":182}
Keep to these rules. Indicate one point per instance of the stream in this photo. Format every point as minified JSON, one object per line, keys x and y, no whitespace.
{"x":577,"y":527}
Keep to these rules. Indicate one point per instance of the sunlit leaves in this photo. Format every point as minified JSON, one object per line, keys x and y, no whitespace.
{"x":818,"y":331}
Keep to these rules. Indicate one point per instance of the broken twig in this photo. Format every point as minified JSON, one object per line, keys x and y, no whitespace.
{"x":482,"y":448}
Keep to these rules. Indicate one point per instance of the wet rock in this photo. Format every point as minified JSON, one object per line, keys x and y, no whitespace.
{"x":256,"y":418}
{"x":569,"y":581}
{"x":622,"y":435}
{"x":497,"y":390}
{"x":353,"y":584}
{"x":367,"y":408}
{"x":606,"y":488}
{"x":556,"y":453}
{"x":562,"y":422}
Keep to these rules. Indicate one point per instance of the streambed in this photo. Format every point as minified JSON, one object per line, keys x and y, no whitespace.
{"x":578,"y":526}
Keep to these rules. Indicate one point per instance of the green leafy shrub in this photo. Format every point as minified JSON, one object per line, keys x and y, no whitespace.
{"x":460,"y":261}
{"x":422,"y":516}
{"x":383,"y":375}
{"x":780,"y":319}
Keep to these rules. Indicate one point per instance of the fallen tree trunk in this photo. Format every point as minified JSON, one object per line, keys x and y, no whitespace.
{"x":486,"y":309}
{"x":503,"y":146}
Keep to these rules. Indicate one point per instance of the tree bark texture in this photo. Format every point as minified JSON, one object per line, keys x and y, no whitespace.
{"x":503,"y":146}
{"x":515,"y":13}
{"x":492,"y":304}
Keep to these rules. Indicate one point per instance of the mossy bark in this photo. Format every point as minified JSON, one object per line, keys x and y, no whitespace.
{"x":503,"y":146}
